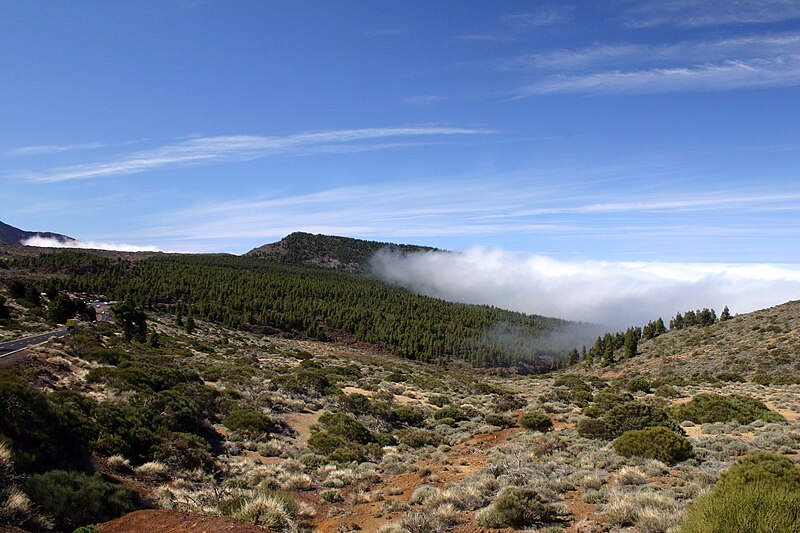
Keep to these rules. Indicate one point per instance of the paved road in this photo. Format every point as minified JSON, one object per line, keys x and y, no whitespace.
{"x":7,"y":348}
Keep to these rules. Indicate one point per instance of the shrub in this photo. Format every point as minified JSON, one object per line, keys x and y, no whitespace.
{"x":621,"y":416}
{"x":42,"y":434}
{"x":184,"y":451}
{"x":666,"y":391}
{"x":593,"y":428}
{"x":500,"y":420}
{"x":731,"y":376}
{"x":450,"y":412}
{"x":417,"y":438}
{"x":658,"y":443}
{"x":770,"y":468}
{"x":517,"y":507}
{"x":636,"y":385}
{"x":536,"y":421}
{"x":439,"y":400}
{"x":267,"y":509}
{"x":709,"y":408}
{"x":250,"y":422}
{"x":347,"y":427}
{"x":758,"y":494}
{"x":407,"y":416}
{"x":142,"y":376}
{"x":74,"y":499}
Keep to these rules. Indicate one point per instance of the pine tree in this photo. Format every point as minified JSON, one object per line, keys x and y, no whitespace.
{"x":573,"y":357}
{"x":726,"y":314}
{"x":608,"y":350}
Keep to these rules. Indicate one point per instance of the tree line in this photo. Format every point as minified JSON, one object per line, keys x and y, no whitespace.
{"x":257,"y":295}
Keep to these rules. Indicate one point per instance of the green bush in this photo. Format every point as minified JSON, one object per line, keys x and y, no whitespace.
{"x":42,"y":434}
{"x":184,"y":451}
{"x":593,"y":428}
{"x":500,"y":420}
{"x":517,"y":508}
{"x":758,"y":494}
{"x":450,"y":412}
{"x":536,"y":421}
{"x":623,"y":415}
{"x":73,"y":499}
{"x":417,"y":438}
{"x":731,"y":376}
{"x":347,"y":427}
{"x":344,"y":439}
{"x":636,"y":384}
{"x":438,"y":400}
{"x":764,"y":467}
{"x":709,"y":408}
{"x":654,"y":443}
{"x":249,"y":422}
{"x":406,"y":415}
{"x":142,"y":376}
{"x":666,"y":391}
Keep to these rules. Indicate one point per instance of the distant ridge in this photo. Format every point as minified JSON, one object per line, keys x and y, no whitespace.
{"x":12,"y":235}
{"x":761,"y":345}
{"x":338,"y":253}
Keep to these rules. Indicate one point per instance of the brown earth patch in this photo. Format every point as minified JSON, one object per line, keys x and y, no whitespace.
{"x":301,"y":424}
{"x":164,"y":521}
{"x":462,"y":460}
{"x":788,"y":414}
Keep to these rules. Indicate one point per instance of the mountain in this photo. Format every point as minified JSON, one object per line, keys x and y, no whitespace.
{"x":12,"y":235}
{"x":763,"y":346}
{"x":339,"y":253}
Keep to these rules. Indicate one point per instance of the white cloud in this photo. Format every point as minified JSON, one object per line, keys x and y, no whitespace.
{"x":606,"y":56}
{"x":759,"y":60}
{"x":43,"y":149}
{"x":45,"y":242}
{"x":732,"y":74}
{"x":205,"y":150}
{"x":616,"y":294}
{"x":697,"y":13}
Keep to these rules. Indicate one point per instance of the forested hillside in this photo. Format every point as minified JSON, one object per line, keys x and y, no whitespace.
{"x":248,"y":293}
{"x":338,"y":253}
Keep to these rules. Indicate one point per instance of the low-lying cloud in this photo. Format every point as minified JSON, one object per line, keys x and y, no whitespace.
{"x":614,"y":294}
{"x":48,"y":242}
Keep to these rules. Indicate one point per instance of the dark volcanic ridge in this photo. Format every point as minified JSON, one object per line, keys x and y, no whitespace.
{"x":338,"y":253}
{"x":11,"y":235}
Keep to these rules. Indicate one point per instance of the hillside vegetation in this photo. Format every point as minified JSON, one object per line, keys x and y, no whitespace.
{"x":762,"y":346}
{"x":209,"y":394}
{"x":248,"y":293}
{"x":339,"y":253}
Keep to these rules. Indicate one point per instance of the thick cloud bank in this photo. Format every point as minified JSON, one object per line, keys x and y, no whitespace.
{"x":615,"y":294}
{"x":55,"y":243}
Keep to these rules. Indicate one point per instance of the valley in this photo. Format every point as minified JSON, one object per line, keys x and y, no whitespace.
{"x":204,"y":413}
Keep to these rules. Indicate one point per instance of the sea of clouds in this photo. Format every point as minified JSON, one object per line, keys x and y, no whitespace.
{"x":614,"y":294}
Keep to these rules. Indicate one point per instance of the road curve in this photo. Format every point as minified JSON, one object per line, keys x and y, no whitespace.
{"x":7,"y":348}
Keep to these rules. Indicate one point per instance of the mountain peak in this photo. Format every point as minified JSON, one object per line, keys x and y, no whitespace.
{"x":11,"y":235}
{"x":329,"y":251}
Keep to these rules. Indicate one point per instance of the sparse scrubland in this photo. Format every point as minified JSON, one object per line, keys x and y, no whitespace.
{"x":283,"y":430}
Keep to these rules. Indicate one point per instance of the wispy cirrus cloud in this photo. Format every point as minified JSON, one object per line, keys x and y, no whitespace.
{"x":768,"y":60}
{"x":731,"y":74}
{"x":53,"y":148}
{"x":700,"y":13}
{"x":512,"y":27}
{"x":208,"y":150}
{"x":603,"y":56}
{"x":47,"y":149}
{"x":488,"y":207}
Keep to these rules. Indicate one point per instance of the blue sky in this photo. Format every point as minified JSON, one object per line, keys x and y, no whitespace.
{"x":618,"y":131}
